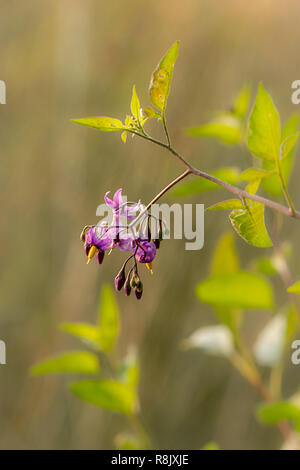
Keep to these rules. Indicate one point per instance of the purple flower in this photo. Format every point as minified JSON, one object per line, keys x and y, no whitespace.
{"x":121,"y":208}
{"x":146,"y":251}
{"x":99,"y":236}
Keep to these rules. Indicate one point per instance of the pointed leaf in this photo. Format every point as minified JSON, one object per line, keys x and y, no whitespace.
{"x":225,"y":259}
{"x":109,"y":319}
{"x":102,"y":123}
{"x":238,"y":290}
{"x":74,"y":362}
{"x":264,"y":127}
{"x":250,"y":225}
{"x":226,"y":128}
{"x":253,"y":174}
{"x":229,"y":204}
{"x":288,"y":145}
{"x":135,"y":104}
{"x":272,"y":185}
{"x":242,"y":101}
{"x":88,"y":333}
{"x":161,"y":78}
{"x":109,"y":394}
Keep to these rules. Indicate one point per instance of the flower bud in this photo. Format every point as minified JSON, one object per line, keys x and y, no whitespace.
{"x":127,"y":285}
{"x":138,"y":289}
{"x":120,"y":279}
{"x":100,"y":256}
{"x":138,"y":293}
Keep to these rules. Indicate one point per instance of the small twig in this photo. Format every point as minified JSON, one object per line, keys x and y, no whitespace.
{"x":288,"y":211}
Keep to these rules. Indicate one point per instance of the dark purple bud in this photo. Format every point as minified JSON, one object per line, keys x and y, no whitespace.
{"x":127,"y":285}
{"x":138,"y":293}
{"x":157,"y":243}
{"x":100,"y":256}
{"x":120,"y":279}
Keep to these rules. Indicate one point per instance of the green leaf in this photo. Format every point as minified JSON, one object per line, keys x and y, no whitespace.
{"x":124,"y":137}
{"x":214,"y":340}
{"x":264,"y":127}
{"x":135,"y":104}
{"x":269,"y":345}
{"x":109,"y":394}
{"x":295,"y":288}
{"x":266,"y":266}
{"x":273,"y":413}
{"x":225,"y":127}
{"x":288,"y":145}
{"x":109,"y":324}
{"x":238,"y":290}
{"x":272,"y":185}
{"x":253,"y":174}
{"x":77,"y":362}
{"x":242,"y":101}
{"x":102,"y":123}
{"x":229,"y":204}
{"x":201,"y":185}
{"x":150,"y":113}
{"x":225,"y":259}
{"x":86,"y":332}
{"x":161,"y":78}
{"x":250,"y":225}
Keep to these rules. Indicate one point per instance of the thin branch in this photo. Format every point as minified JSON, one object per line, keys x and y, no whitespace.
{"x":288,"y":211}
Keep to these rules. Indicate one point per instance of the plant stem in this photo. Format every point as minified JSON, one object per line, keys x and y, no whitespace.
{"x":251,"y":374}
{"x":284,"y":188}
{"x":166,"y":131}
{"x":288,"y":211}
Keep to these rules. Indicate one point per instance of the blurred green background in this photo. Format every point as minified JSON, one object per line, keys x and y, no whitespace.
{"x":65,"y":59}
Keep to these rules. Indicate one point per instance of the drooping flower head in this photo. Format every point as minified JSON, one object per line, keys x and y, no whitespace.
{"x":125,"y":236}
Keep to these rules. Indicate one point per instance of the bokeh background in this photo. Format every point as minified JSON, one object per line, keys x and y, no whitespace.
{"x":64,"y":59}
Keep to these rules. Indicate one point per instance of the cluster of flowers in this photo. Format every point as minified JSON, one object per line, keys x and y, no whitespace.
{"x":103,"y":237}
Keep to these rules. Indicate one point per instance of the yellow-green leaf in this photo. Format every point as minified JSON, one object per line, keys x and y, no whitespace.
{"x":237,"y":290}
{"x":109,"y":323}
{"x":108,"y":394}
{"x":250,"y":225}
{"x":288,"y":145}
{"x":272,"y":185}
{"x":102,"y":123}
{"x":253,"y":174}
{"x":86,"y":332}
{"x":273,"y":413}
{"x":135,"y":104}
{"x":241,"y":103}
{"x":264,"y":127}
{"x":229,"y":204}
{"x":295,"y":288}
{"x":225,"y":259}
{"x":225,"y":127}
{"x":76,"y":362}
{"x":161,"y":78}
